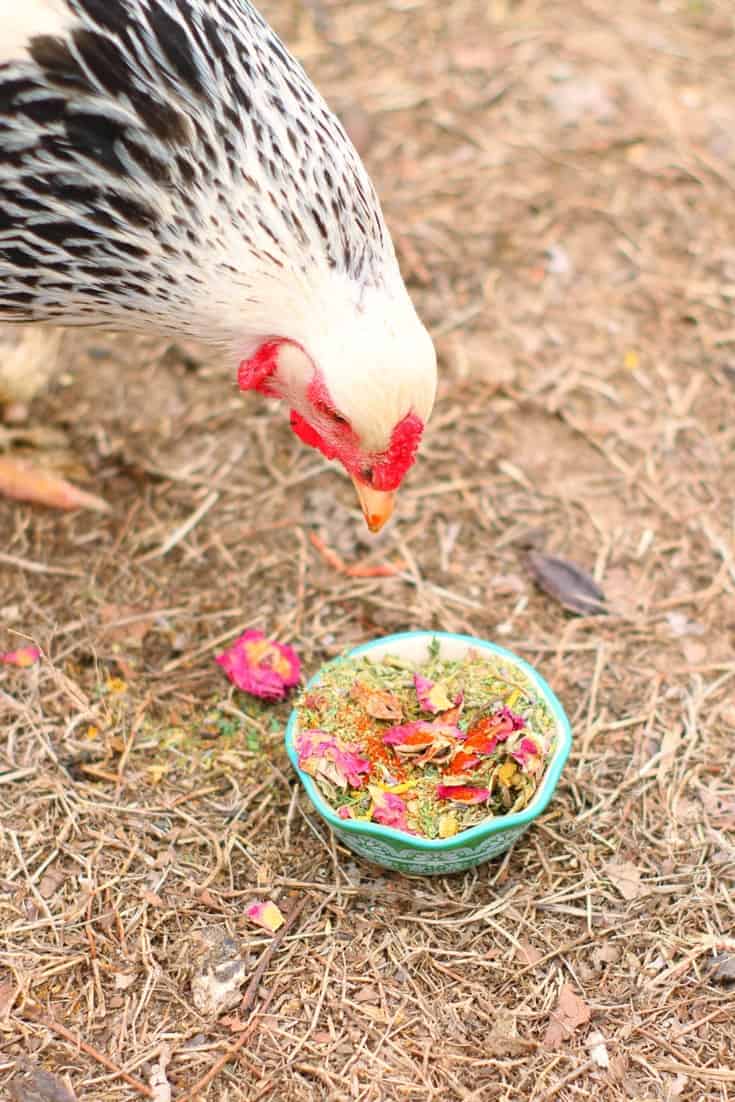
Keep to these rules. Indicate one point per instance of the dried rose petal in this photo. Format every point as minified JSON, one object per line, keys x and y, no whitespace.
{"x":529,"y":753}
{"x":419,"y":734}
{"x":484,"y":735}
{"x":389,"y":809}
{"x":462,"y":762}
{"x":345,"y":812}
{"x":432,"y":695}
{"x":322,"y":755}
{"x":265,"y":914}
{"x":260,"y":666}
{"x":462,"y":793}
{"x":23,"y":657}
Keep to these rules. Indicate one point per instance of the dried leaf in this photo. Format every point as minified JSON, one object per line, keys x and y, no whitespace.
{"x":127,"y":624}
{"x":124,"y":980}
{"x":723,"y":969}
{"x":152,"y":899}
{"x":378,"y":703}
{"x":8,"y":992}
{"x":598,"y":1049}
{"x":571,"y":1012}
{"x":375,"y":1013}
{"x":626,"y":877}
{"x":51,"y":881}
{"x":568,"y":584}
{"x":218,"y":970}
{"x":368,"y":994}
{"x":234,"y":1024}
{"x":528,"y":954}
{"x":606,"y":953}
{"x":502,"y":1039}
{"x":38,"y":1085}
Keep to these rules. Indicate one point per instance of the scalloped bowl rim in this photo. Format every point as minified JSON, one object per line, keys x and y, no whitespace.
{"x":496,"y":825}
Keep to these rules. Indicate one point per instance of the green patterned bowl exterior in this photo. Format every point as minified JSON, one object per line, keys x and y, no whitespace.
{"x":423,"y":856}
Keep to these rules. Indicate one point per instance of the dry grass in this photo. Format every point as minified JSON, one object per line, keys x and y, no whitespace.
{"x":560,"y":176}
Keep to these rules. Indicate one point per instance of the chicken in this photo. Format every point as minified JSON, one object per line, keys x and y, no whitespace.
{"x":166,"y":165}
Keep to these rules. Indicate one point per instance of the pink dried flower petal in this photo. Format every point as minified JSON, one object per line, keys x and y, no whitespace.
{"x":345,"y":812}
{"x":23,"y":657}
{"x":529,"y":753}
{"x":390,"y":810}
{"x":260,"y":666}
{"x":419,"y":732}
{"x":462,"y":793}
{"x":432,"y":695}
{"x":320,"y":753}
{"x":265,"y":914}
{"x":517,"y":722}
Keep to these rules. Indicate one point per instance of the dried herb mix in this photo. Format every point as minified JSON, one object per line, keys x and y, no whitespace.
{"x":429,"y":749}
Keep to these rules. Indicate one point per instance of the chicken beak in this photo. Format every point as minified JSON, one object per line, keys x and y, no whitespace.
{"x":377,"y":505}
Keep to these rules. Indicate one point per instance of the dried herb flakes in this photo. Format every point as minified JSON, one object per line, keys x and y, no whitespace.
{"x":429,"y":750}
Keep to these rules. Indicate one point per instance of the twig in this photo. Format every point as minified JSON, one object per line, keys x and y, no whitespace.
{"x":38,"y":1016}
{"x":183,"y":530}
{"x":565,"y":1081}
{"x":37,"y":567}
{"x":356,"y":570}
{"x":247,"y":1001}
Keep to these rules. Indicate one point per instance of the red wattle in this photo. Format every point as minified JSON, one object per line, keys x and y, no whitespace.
{"x":308,"y":435}
{"x":255,"y":373}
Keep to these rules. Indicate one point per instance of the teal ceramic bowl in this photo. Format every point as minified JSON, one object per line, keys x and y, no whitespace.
{"x":422,"y":856}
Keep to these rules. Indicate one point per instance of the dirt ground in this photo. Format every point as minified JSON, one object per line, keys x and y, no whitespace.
{"x":560,"y":179}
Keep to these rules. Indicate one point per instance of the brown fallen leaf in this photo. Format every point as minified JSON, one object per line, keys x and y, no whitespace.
{"x":502,"y":1039}
{"x":568,"y":584}
{"x":723,"y":969}
{"x":607,"y":953}
{"x":127,"y":624}
{"x":233,"y":1023}
{"x":571,"y":1012}
{"x":528,"y":954}
{"x":35,"y":1084}
{"x":8,"y":994}
{"x":378,"y":703}
{"x":626,"y":877}
{"x":369,"y":994}
{"x":51,"y":881}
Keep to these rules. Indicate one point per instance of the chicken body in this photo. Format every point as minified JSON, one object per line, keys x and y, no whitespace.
{"x":167,"y":165}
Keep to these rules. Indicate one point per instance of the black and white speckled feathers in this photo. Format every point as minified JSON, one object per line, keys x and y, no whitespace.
{"x":167,"y":163}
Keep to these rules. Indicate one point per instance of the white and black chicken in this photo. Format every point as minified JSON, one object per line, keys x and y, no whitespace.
{"x":166,"y":165}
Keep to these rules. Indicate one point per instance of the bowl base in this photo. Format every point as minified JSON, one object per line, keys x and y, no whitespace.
{"x":417,"y":863}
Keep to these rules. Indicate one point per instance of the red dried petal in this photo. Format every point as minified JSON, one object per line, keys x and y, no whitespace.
{"x":462,"y":793}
